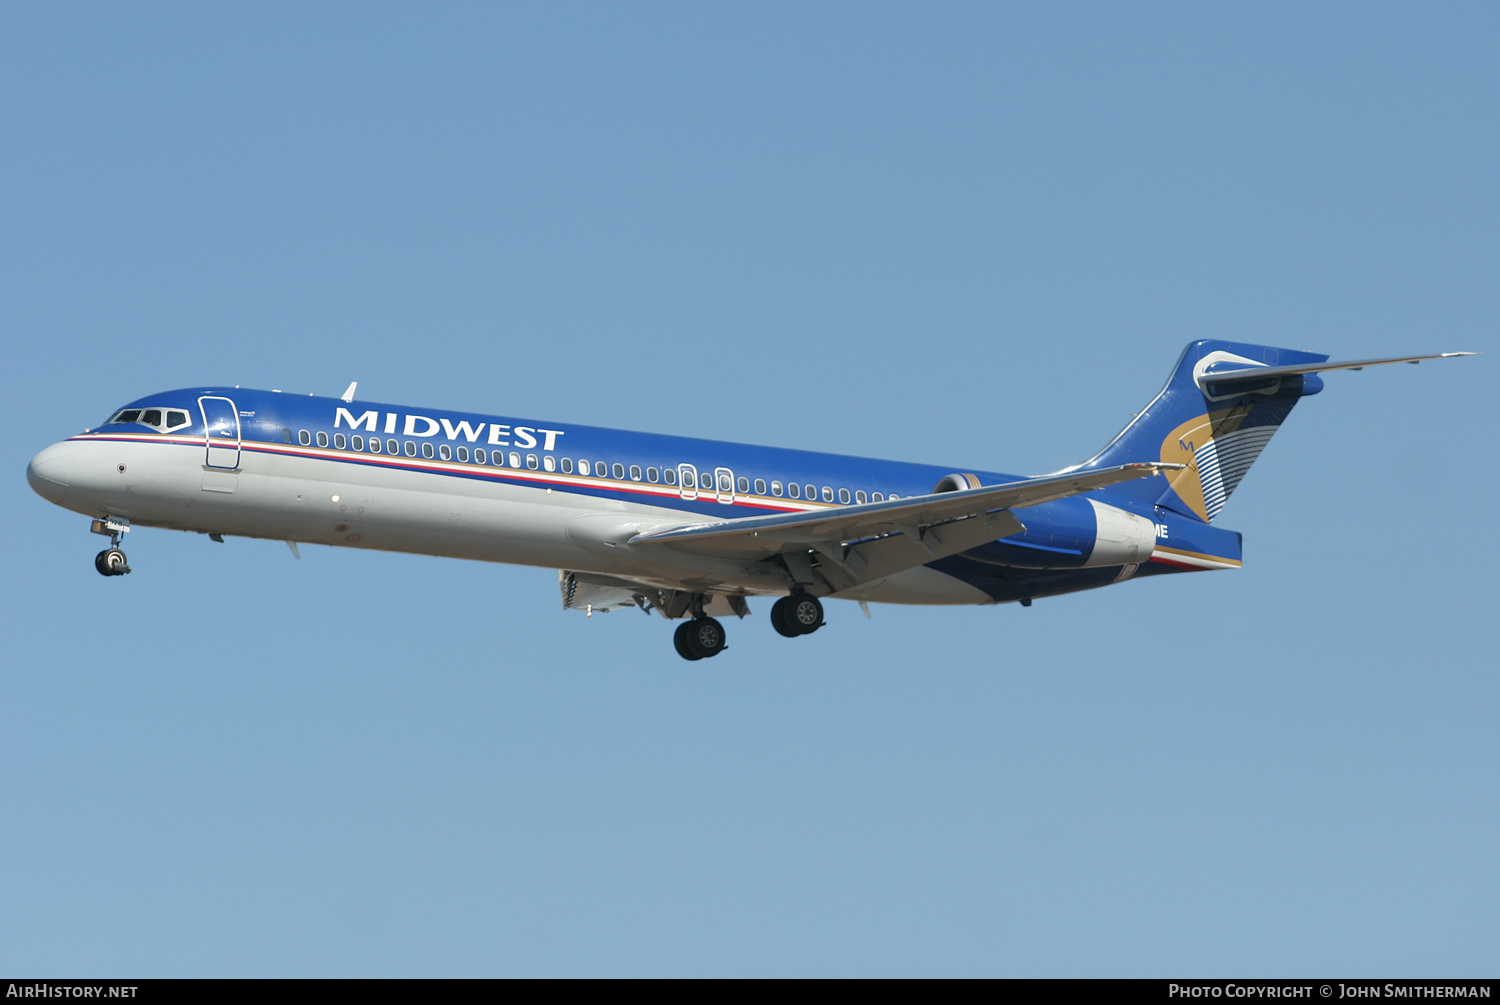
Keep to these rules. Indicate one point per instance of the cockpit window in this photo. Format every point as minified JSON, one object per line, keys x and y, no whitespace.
{"x":166,"y":420}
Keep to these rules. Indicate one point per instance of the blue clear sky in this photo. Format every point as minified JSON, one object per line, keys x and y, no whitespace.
{"x":967,"y":234}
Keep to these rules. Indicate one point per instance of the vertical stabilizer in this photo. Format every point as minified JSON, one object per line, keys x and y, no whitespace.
{"x":1217,"y":435}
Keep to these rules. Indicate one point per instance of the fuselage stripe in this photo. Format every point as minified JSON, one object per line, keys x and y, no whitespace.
{"x":459,"y":469}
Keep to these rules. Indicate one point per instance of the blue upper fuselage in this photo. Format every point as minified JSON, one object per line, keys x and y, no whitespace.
{"x":272,"y":420}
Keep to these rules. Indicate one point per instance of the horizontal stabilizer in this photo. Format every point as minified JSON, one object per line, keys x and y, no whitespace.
{"x":930,"y":524}
{"x":1229,"y":371}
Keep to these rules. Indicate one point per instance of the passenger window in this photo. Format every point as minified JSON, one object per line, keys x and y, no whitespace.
{"x":286,"y":434}
{"x":358,"y":442}
{"x":689,"y":479}
{"x":812,"y":491}
{"x":583,"y":467}
{"x":776,"y":489}
{"x":478,"y":455}
{"x":744,"y":484}
{"x":549,"y":462}
{"x":427,"y":450}
{"x":567,"y":465}
{"x":706,"y":480}
{"x":794,"y":490}
{"x":304,"y":437}
{"x":411,"y":448}
{"x":635,"y":472}
{"x":878,"y":497}
{"x":374,"y":445}
{"x":322,"y":438}
{"x":619,"y":471}
{"x":515,"y":459}
{"x":726,"y":484}
{"x":844,"y":496}
{"x":445,"y":452}
{"x":760,"y":486}
{"x":670,"y":476}
{"x":392,"y":447}
{"x":151,"y":417}
{"x":653,"y":475}
{"x":531,"y":461}
{"x":860,"y":497}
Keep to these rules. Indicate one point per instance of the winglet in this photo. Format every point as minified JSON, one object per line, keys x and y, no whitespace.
{"x":349,"y":391}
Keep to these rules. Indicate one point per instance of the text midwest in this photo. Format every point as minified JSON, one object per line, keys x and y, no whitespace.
{"x":500,"y":435}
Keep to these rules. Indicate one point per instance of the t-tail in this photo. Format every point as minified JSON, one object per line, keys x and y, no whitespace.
{"x":1221,"y":406}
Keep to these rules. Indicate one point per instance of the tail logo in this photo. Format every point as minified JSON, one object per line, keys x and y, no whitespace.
{"x":1218,"y":448}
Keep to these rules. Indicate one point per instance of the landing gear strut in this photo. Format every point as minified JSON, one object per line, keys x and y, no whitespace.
{"x":799,"y":614}
{"x":699,"y":638}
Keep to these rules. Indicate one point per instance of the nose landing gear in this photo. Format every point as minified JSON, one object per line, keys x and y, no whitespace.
{"x":111,"y":561}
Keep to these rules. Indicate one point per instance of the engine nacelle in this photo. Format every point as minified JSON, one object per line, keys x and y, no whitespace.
{"x":1074,"y":533}
{"x":1120,"y":538}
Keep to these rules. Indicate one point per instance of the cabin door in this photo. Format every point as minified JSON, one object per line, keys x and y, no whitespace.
{"x":221,"y":424}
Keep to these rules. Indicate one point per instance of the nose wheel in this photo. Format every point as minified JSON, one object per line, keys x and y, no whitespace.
{"x":699,"y":639}
{"x":111,"y":562}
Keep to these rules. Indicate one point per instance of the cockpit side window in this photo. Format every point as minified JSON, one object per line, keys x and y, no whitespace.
{"x":167,"y":420}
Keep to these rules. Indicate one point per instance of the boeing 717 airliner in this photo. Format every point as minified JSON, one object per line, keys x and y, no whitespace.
{"x":684,"y":527}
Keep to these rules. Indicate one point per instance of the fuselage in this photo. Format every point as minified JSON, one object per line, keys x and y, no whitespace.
{"x":356,"y":474}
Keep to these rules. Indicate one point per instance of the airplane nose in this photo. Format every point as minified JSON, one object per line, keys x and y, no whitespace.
{"x":49,"y":472}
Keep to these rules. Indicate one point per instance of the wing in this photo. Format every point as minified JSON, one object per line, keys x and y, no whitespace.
{"x":877,"y":539}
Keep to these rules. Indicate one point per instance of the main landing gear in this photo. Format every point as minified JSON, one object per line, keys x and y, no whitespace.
{"x":799,"y":614}
{"x":699,"y":638}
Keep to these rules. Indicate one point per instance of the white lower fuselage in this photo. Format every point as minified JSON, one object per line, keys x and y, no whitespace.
{"x":166,"y":483}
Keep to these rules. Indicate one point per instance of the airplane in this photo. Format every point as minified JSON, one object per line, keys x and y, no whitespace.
{"x":690,"y":528}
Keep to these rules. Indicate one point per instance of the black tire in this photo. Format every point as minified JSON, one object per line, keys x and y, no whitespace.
{"x":705,"y":636}
{"x":804,"y":612}
{"x":781,"y":619}
{"x":679,"y":640}
{"x":111,"y":562}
